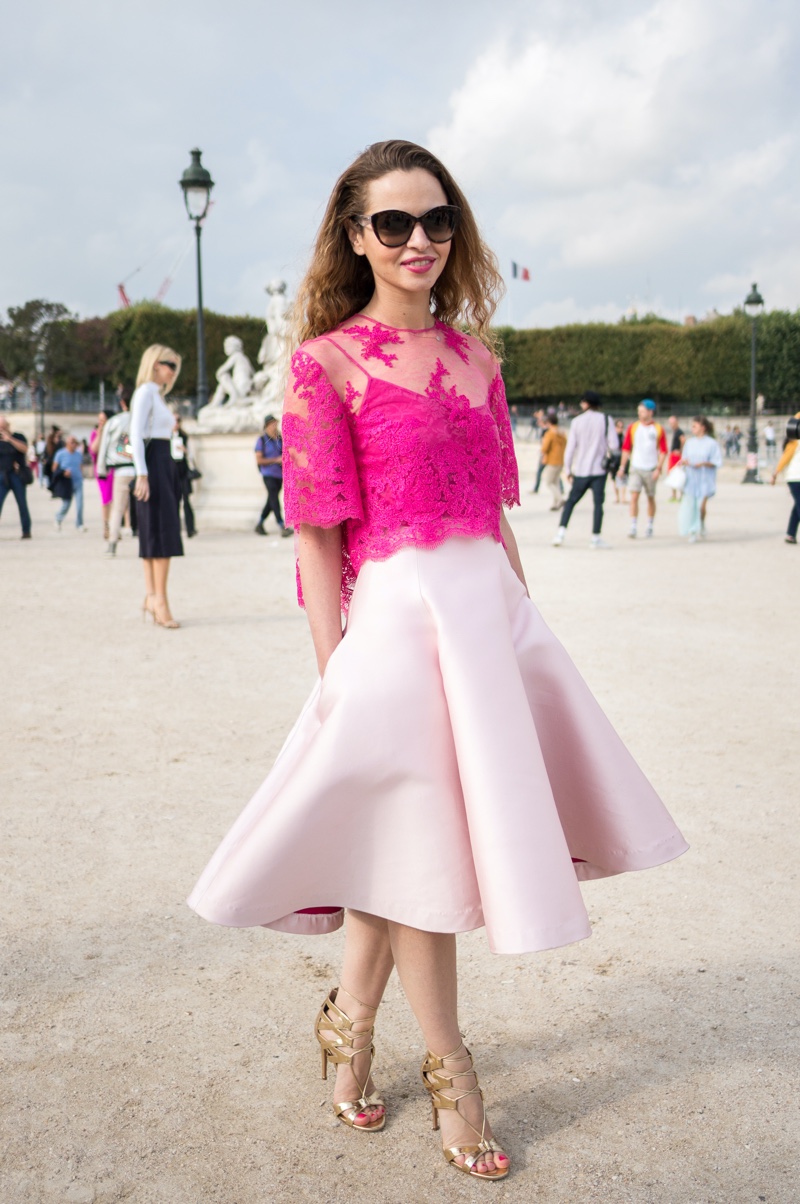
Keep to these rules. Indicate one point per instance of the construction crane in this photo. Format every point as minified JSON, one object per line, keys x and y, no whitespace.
{"x":124,"y":299}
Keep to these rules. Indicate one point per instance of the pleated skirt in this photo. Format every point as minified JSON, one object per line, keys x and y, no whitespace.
{"x":450,"y":770}
{"x":158,"y":518}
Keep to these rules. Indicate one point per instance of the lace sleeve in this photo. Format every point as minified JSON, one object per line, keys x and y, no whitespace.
{"x":509,"y":474}
{"x":321,"y":484}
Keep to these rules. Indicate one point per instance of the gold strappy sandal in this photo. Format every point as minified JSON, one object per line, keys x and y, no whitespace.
{"x":437,"y":1080}
{"x":340,"y":1049}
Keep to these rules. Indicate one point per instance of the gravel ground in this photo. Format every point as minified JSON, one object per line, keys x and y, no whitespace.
{"x":150,"y":1057}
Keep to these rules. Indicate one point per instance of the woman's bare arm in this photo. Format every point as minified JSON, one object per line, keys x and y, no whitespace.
{"x":512,"y":551}
{"x":320,"y":556}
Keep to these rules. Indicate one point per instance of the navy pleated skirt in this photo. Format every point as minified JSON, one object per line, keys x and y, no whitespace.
{"x":159,"y":519}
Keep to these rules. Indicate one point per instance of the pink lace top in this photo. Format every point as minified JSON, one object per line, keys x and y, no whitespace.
{"x":402,"y":436}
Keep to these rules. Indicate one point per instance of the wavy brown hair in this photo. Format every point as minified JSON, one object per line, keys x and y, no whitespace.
{"x":339,"y":283}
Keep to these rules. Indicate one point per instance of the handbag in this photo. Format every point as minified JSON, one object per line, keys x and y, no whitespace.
{"x":676,"y":478}
{"x":25,"y":473}
{"x":611,"y":460}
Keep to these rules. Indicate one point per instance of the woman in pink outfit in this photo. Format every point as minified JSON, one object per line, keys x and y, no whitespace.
{"x":451,"y":768}
{"x":104,"y":484}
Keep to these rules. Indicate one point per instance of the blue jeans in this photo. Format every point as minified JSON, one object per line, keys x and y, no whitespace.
{"x":77,"y":498}
{"x":794,"y":517}
{"x":10,"y":483}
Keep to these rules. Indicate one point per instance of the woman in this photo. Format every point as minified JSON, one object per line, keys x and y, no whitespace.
{"x":701,"y":457}
{"x":790,"y":460}
{"x":157,"y":489}
{"x":414,"y":791}
{"x":105,"y":484}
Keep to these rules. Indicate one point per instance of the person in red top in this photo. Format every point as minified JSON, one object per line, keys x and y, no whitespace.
{"x":645,"y":446}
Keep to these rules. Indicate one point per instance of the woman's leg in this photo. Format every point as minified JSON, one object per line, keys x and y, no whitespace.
{"x":149,"y":583}
{"x":426,"y":965}
{"x":160,"y":600}
{"x":119,"y":504}
{"x":367,"y":965}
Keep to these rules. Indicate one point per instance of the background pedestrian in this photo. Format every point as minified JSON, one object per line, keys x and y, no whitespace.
{"x":179,"y":447}
{"x":701,"y":457}
{"x":115,"y":456}
{"x":105,"y":484}
{"x":645,"y":447}
{"x":269,"y":458}
{"x":591,"y":442}
{"x":67,"y":482}
{"x":790,"y":461}
{"x":156,"y":490}
{"x":15,"y":475}
{"x":554,"y":441}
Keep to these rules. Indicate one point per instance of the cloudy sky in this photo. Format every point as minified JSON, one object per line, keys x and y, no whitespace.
{"x":629,"y":153}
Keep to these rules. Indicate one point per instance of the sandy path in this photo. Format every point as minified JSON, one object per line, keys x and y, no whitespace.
{"x":148,"y":1056}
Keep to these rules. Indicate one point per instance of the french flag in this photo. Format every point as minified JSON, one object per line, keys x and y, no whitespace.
{"x":518,"y":272}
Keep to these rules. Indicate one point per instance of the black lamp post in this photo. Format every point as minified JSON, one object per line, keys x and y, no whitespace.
{"x":196,"y":183}
{"x":753,"y":307}
{"x":39,"y":365}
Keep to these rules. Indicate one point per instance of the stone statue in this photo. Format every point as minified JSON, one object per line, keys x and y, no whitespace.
{"x":235,"y":377}
{"x":269,"y":381}
{"x":242,"y":399}
{"x":274,"y":340}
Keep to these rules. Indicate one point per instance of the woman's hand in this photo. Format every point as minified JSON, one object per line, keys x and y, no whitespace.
{"x":141,"y":490}
{"x":320,"y":557}
{"x":512,"y":551}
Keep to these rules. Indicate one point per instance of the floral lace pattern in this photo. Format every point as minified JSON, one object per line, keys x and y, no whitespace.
{"x":373,"y":337}
{"x":409,"y":466}
{"x":455,"y":341}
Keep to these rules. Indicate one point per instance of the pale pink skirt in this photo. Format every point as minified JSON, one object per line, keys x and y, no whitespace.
{"x":451,"y":770}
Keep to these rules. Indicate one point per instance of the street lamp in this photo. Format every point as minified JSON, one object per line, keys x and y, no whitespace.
{"x":753,"y":307}
{"x":39,"y":365}
{"x":196,"y":183}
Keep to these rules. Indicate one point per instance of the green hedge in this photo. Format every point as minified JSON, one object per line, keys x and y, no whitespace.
{"x":132,"y":330}
{"x":704,"y":367}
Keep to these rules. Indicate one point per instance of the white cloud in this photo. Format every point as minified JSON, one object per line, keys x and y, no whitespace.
{"x":661,"y":145}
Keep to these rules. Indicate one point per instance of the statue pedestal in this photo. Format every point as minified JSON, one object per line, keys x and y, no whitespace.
{"x":230,"y":495}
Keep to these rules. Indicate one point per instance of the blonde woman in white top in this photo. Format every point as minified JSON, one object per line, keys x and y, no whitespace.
{"x":157,"y":490}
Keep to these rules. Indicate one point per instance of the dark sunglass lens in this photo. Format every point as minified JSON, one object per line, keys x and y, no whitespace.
{"x":393,"y":227}
{"x":168,"y":364}
{"x":440,"y":224}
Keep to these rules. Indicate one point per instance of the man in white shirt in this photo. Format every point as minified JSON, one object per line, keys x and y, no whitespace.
{"x":592,"y":436}
{"x":645,"y":445}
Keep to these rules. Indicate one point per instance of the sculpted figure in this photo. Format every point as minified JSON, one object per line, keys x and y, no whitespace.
{"x":277,"y":325}
{"x":234,"y":377}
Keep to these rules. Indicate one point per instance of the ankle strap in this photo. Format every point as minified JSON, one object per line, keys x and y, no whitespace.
{"x":360,"y":1002}
{"x":457,"y":1049}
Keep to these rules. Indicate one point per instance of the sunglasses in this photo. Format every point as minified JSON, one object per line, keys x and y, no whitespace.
{"x":393,"y":227}
{"x":169,"y":364}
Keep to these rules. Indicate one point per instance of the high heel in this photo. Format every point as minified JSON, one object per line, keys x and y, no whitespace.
{"x":437,"y":1080}
{"x":340,"y":1049}
{"x":170,"y":623}
{"x":147,"y":610}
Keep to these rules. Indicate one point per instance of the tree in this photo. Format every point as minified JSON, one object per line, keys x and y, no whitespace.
{"x":27,"y":332}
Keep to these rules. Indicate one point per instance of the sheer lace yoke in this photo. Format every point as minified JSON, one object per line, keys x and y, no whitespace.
{"x":402,"y":436}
